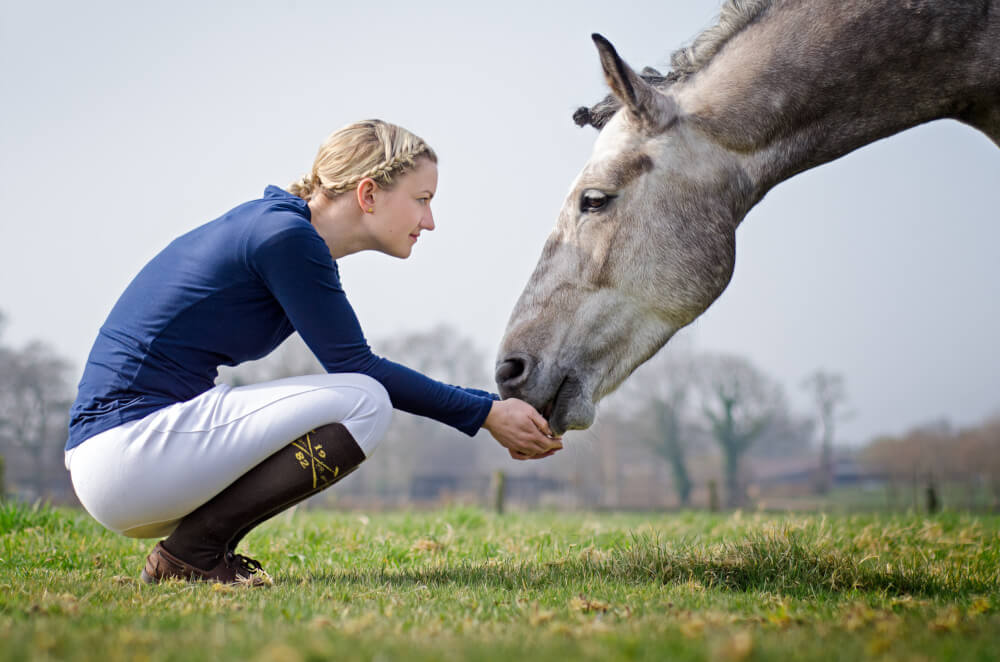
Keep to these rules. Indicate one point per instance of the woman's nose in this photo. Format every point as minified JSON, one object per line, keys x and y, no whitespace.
{"x":428,"y":223}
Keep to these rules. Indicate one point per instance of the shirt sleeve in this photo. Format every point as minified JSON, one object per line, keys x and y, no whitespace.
{"x":296,"y":266}
{"x":481,"y":393}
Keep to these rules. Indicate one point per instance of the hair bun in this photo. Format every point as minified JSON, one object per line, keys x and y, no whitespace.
{"x":302,"y":187}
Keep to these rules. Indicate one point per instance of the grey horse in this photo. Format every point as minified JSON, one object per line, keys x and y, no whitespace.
{"x":645,"y":240}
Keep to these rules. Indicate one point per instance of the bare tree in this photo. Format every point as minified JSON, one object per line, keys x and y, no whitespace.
{"x":442,"y":353}
{"x":3,"y":423}
{"x":935,"y":453}
{"x":413,"y":443}
{"x":291,"y":359}
{"x":417,"y":446}
{"x":978,"y":453}
{"x":828,"y":394}
{"x":786,"y":435}
{"x":34,"y":402}
{"x":660,"y":394}
{"x":738,"y":402}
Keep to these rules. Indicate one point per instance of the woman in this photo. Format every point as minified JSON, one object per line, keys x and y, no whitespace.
{"x":156,"y":448}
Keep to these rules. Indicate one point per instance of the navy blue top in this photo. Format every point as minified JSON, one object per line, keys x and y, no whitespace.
{"x":231,"y":291}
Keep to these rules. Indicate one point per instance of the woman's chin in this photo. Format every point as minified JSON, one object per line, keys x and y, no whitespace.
{"x":401,"y":253}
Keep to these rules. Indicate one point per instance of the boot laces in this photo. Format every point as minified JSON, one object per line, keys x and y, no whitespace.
{"x":246,"y":567}
{"x":240,"y":562}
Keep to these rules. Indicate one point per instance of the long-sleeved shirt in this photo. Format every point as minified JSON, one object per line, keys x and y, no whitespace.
{"x":231,"y":291}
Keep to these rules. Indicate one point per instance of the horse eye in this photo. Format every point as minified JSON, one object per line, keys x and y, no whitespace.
{"x":593,"y":200}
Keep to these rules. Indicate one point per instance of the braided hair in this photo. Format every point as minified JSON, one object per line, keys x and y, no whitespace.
{"x":370,"y":148}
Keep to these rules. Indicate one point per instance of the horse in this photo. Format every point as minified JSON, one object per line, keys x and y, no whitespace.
{"x":645,"y":240}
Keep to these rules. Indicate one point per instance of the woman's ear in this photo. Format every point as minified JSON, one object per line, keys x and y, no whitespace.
{"x":366,"y":194}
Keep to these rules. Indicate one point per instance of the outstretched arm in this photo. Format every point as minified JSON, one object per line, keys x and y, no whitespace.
{"x":296,"y":266}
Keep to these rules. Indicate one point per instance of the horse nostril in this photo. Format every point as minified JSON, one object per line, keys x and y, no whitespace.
{"x":510,"y":370}
{"x":513,"y":372}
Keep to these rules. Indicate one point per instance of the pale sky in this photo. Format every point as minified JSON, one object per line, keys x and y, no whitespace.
{"x":125,"y":124}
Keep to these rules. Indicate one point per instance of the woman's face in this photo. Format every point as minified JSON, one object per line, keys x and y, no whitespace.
{"x":402,"y":213}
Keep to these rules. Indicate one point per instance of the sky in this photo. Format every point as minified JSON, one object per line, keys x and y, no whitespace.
{"x":124,"y":124}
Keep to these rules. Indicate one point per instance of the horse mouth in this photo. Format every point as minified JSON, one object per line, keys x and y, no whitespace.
{"x":558,"y":411}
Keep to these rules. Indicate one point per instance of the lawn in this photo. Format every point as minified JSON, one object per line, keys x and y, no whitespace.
{"x":463,"y":583}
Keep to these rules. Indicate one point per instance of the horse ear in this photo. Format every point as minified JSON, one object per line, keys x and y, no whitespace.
{"x":644,"y":103}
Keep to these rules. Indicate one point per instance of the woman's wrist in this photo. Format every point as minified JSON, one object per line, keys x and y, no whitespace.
{"x":491,"y":415}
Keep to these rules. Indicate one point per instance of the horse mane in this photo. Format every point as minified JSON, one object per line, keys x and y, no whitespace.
{"x":734,"y":17}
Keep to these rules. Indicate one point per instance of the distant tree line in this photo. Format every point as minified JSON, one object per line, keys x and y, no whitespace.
{"x":687,"y":404}
{"x":699,"y":416}
{"x":687,"y":429}
{"x":35,"y":395}
{"x":937,"y":461}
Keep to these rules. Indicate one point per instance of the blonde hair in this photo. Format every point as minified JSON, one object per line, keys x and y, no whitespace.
{"x":370,"y":148}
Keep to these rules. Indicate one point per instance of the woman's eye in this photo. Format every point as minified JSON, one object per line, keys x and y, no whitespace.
{"x":593,"y":200}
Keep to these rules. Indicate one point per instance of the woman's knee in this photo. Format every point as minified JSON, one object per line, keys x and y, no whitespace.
{"x":369,"y":419}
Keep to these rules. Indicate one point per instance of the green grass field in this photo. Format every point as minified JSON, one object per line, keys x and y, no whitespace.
{"x":466,"y":584}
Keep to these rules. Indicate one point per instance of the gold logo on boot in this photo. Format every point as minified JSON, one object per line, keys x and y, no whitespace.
{"x":316,"y":455}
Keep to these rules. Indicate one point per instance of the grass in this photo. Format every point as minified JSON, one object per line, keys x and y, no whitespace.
{"x":465,"y":584}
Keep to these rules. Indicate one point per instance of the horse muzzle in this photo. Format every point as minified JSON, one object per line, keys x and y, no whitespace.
{"x":556,"y":393}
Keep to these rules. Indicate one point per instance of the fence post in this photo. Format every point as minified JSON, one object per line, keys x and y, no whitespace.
{"x":933,"y":503}
{"x":713,"y":496}
{"x":499,"y":486}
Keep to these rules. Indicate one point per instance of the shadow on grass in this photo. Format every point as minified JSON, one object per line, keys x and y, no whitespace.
{"x":785,"y":564}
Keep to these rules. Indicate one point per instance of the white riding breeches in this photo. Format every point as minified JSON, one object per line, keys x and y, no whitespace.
{"x":142,"y":477}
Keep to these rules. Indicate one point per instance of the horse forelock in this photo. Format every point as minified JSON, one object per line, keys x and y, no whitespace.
{"x":734,"y":17}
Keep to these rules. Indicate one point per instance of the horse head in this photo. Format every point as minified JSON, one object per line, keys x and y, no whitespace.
{"x":644,"y":242}
{"x":645,"y":239}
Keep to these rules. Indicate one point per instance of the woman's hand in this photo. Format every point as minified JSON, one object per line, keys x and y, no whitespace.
{"x":521,"y":430}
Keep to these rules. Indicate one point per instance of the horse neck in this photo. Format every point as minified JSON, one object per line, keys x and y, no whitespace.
{"x":812,"y":80}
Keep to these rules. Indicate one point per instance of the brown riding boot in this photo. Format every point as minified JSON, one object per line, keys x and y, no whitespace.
{"x":232,"y":569}
{"x":201,"y":547}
